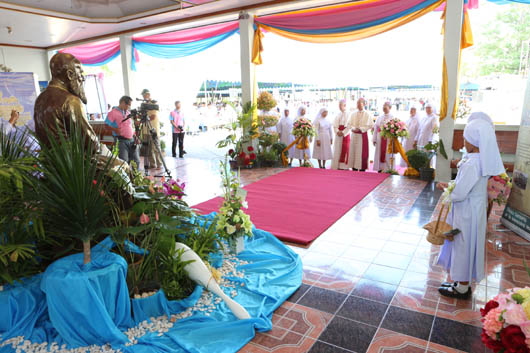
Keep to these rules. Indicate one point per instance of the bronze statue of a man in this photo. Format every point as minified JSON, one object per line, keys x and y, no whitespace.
{"x":61,"y":105}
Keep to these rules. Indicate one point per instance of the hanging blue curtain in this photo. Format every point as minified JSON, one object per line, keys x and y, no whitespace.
{"x":172,"y":51}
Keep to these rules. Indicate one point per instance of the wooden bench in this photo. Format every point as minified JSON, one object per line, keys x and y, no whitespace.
{"x":507,"y":141}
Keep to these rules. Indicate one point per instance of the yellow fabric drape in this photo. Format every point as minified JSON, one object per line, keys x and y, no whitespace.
{"x":301,"y":142}
{"x":257,"y":46}
{"x":466,"y":41}
{"x":336,"y":37}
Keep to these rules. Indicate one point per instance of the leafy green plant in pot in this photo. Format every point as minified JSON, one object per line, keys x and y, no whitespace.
{"x":73,"y":187}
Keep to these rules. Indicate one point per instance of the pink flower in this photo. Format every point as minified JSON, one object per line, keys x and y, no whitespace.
{"x":392,"y":131}
{"x":491,"y":322}
{"x":156,"y":215}
{"x":144,"y":219}
{"x":514,"y":314}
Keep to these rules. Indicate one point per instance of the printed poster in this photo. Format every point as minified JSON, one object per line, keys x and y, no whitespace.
{"x":516,"y":215}
{"x":18,"y":91}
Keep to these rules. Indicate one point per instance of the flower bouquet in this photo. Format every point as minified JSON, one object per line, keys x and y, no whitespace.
{"x":394,"y":128}
{"x":303,"y":129}
{"x":499,"y":188}
{"x":266,"y":101}
{"x":232,"y":223}
{"x":506,"y":322}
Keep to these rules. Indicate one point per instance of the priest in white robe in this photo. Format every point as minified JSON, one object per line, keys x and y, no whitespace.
{"x":360,"y":122}
{"x":285,"y":128}
{"x":464,"y":256}
{"x":427,"y":126}
{"x":413,"y":125}
{"x":341,"y":130}
{"x":324,"y":138}
{"x":381,"y":157}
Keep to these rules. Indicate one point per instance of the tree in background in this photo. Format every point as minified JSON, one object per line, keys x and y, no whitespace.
{"x":505,"y":44}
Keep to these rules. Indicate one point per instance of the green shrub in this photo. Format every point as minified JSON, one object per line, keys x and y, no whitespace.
{"x":418,"y":159}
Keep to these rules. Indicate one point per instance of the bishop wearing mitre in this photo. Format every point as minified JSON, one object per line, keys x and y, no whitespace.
{"x":360,"y":123}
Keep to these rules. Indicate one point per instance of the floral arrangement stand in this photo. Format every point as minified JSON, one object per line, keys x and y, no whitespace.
{"x":392,"y":130}
{"x":232,"y":223}
{"x":302,"y":130}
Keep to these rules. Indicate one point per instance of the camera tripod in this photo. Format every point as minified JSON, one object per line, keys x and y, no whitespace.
{"x":148,"y":139}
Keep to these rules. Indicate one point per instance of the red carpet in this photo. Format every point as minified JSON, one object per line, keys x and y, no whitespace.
{"x":301,"y":203}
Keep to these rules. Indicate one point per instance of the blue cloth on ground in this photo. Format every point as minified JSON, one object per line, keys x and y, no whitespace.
{"x":274,"y":272}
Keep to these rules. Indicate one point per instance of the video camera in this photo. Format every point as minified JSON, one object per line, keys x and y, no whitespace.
{"x":140,"y":114}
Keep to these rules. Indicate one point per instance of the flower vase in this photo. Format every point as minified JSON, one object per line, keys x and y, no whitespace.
{"x":237,"y":245}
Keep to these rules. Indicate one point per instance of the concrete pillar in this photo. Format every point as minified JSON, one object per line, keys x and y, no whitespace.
{"x":246,"y":35}
{"x":453,"y":35}
{"x":126,"y":56}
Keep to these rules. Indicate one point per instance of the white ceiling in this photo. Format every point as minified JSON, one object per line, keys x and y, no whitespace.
{"x":57,"y":23}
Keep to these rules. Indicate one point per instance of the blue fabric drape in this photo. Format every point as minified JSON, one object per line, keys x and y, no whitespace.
{"x":180,"y":50}
{"x":76,"y":304}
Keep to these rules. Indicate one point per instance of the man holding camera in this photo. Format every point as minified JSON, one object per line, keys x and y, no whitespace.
{"x":155,"y":159}
{"x":123,"y":130}
{"x":177,"y":120}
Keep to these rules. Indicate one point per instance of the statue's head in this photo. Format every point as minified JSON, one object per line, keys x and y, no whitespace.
{"x":67,"y":69}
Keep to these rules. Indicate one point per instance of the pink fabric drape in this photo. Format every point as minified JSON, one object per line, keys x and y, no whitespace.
{"x":93,"y":54}
{"x":339,"y":16}
{"x":471,"y":4}
{"x":189,"y":35}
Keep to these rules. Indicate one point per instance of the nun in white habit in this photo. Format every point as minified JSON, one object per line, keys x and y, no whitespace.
{"x":413,"y":125}
{"x":324,"y":138}
{"x":464,"y":256}
{"x":285,"y":128}
{"x":298,"y":153}
{"x":427,"y":125}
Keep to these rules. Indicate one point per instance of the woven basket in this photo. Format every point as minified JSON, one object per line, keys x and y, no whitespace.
{"x":438,"y":228}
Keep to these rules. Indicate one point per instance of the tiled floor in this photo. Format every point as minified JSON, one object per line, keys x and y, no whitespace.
{"x":370,"y":281}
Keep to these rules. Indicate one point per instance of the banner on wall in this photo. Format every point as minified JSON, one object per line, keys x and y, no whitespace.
{"x":516,"y":215}
{"x":18,"y":91}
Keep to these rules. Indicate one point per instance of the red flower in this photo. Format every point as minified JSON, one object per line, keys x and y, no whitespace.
{"x":492,"y":344}
{"x":242,"y":154}
{"x":513,"y":340}
{"x":94,"y":181}
{"x":247,"y":161}
{"x":252,"y":156}
{"x":34,"y":166}
{"x":492,"y":304}
{"x":250,"y":148}
{"x":230,"y":151}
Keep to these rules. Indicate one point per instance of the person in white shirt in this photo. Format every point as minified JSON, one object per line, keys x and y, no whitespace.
{"x":341,"y":130}
{"x":324,"y":138}
{"x":8,"y":126}
{"x":427,"y":126}
{"x":381,"y":157}
{"x":360,"y":123}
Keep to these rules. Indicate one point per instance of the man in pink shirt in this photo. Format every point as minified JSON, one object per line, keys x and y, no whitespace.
{"x":123,"y":130}
{"x":177,"y":121}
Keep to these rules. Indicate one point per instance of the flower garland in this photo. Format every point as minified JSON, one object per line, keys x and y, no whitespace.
{"x":232,"y":222}
{"x":394,"y":128}
{"x":303,"y":128}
